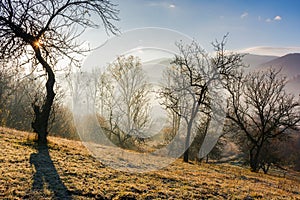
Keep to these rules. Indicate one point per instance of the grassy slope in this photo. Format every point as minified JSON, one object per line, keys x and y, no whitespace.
{"x":86,"y":178}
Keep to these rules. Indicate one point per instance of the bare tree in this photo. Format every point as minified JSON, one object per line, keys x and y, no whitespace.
{"x":43,"y":33}
{"x":15,"y":104}
{"x":5,"y":92}
{"x":107,"y":106}
{"x":186,"y":91}
{"x":262,"y":110}
{"x":124,"y":94}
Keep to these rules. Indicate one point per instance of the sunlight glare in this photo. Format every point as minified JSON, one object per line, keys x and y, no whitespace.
{"x":37,"y":43}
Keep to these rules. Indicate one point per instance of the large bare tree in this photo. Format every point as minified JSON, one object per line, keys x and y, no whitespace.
{"x":125,"y":94}
{"x":186,"y":91}
{"x":44,"y":32}
{"x":262,"y":110}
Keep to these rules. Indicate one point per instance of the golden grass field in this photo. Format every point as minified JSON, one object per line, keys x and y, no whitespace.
{"x":66,"y":170}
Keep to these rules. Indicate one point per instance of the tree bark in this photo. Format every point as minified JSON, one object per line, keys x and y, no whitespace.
{"x":189,"y":131}
{"x":254,"y":159}
{"x":186,"y":155}
{"x":42,"y":114}
{"x":187,"y":141}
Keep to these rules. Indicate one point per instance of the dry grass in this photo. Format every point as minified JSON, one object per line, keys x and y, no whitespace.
{"x":74,"y":174}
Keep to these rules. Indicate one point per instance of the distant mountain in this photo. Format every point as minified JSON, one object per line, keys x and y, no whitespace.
{"x":293,"y":85}
{"x":290,"y":67}
{"x":289,"y":64}
{"x":256,"y":60}
{"x":155,"y":68}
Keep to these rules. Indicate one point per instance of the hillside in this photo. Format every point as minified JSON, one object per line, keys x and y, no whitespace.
{"x":257,"y":60}
{"x":66,"y":170}
{"x":290,"y":64}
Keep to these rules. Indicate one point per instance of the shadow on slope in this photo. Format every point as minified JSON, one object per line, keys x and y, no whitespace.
{"x":46,"y":175}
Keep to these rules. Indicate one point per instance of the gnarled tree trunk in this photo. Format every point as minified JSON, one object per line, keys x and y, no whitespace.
{"x":42,"y":113}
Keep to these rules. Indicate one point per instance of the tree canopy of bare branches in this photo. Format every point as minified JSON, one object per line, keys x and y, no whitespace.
{"x":262,"y":110}
{"x":124,"y":100}
{"x":43,"y":32}
{"x":187,"y":89}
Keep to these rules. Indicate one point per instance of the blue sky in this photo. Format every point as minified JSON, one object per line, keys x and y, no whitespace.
{"x":266,"y":27}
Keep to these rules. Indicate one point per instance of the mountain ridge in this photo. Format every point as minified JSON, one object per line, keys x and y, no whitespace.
{"x":289,"y":64}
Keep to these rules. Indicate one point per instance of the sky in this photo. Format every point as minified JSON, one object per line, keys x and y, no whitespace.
{"x":255,"y":26}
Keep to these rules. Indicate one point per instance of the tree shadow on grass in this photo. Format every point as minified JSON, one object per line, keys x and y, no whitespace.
{"x":46,"y":175}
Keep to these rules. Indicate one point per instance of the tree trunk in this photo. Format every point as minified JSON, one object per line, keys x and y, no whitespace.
{"x":186,"y":155}
{"x":42,"y":114}
{"x":254,"y":159}
{"x":266,"y":168}
{"x":187,"y":142}
{"x":189,"y":131}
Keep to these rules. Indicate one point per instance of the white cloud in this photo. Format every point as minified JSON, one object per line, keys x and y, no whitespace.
{"x":272,"y":51}
{"x":277,"y":18}
{"x":245,"y":14}
{"x":172,"y":6}
{"x":162,"y":4}
{"x":268,"y":20}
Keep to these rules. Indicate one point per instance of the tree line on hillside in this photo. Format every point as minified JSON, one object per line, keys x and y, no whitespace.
{"x":261,"y":117}
{"x":18,"y":92}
